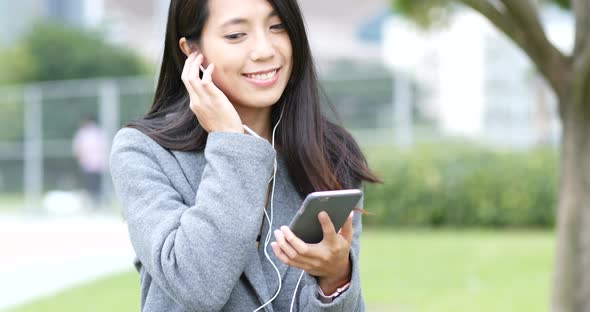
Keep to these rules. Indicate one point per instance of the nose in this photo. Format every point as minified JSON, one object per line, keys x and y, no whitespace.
{"x":263,"y":48}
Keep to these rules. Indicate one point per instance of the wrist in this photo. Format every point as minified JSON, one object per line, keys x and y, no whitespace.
{"x":330,"y":284}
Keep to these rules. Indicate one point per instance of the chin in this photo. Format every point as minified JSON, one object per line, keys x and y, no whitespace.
{"x":261,"y":104}
{"x":261,"y":101}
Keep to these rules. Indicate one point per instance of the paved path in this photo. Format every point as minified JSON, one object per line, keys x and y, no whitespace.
{"x":40,"y":256}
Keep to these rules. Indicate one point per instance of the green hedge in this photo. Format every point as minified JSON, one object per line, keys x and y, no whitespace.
{"x":462,"y":185}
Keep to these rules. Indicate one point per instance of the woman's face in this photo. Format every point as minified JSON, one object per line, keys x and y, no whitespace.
{"x":251,"y":50}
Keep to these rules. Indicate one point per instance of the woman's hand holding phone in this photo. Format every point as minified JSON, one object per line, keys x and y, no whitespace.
{"x":211,"y":107}
{"x":328,"y":260}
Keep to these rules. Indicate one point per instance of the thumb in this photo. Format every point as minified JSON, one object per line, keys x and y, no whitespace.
{"x":347,"y":231}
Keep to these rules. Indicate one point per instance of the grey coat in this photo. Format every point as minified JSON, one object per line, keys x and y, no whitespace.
{"x":193,"y":219}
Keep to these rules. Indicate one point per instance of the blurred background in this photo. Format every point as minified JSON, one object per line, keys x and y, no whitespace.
{"x":453,"y":117}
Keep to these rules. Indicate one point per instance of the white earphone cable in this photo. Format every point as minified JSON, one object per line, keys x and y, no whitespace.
{"x":295,"y":291}
{"x":270,"y":219}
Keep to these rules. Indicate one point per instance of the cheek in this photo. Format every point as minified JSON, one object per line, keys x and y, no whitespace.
{"x":227,"y":69}
{"x":286,"y":46}
{"x":222,"y":80}
{"x":227,"y":79}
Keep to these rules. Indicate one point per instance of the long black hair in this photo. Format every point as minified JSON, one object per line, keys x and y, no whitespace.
{"x":320,"y":155}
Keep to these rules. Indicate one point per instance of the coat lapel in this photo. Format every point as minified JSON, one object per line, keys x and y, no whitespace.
{"x":286,"y":204}
{"x":192,"y":165}
{"x":256,"y":278}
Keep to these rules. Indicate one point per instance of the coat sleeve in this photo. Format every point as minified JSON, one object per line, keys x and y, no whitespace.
{"x":351,"y":299}
{"x":194,"y":253}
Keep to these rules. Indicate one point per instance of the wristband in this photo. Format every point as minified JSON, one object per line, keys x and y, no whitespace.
{"x":330,"y":298}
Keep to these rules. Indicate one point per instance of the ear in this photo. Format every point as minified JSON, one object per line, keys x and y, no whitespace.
{"x":187,"y":47}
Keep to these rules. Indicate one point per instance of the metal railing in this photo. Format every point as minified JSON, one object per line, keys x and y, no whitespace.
{"x":40,"y":145}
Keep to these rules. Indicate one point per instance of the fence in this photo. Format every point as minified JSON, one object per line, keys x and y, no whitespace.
{"x":39,"y":122}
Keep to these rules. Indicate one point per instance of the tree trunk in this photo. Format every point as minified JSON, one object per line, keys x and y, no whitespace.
{"x":571,"y":280}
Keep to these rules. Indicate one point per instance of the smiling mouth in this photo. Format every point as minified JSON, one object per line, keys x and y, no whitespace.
{"x":263,"y":76}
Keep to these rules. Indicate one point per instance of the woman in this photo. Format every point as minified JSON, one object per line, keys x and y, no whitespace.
{"x":194,"y":186}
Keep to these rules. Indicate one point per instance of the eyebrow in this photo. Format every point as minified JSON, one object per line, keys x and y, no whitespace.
{"x":241,"y":20}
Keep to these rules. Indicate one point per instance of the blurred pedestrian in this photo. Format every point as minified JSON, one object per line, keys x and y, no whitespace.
{"x":89,"y":147}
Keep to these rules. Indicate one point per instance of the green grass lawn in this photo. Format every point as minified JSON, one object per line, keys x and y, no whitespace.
{"x":401,"y":271}
{"x":116,"y":293}
{"x":456,"y":270}
{"x":11,"y":203}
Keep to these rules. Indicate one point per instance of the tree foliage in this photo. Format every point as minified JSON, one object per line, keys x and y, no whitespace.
{"x":424,"y":12}
{"x":428,"y":12}
{"x":56,"y":52}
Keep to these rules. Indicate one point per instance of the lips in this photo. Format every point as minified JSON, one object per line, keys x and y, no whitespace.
{"x":263,"y":75}
{"x":265,"y":78}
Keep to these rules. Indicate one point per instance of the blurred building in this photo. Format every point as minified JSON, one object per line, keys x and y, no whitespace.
{"x":338,"y":29}
{"x":475,"y":82}
{"x":137,"y":24}
{"x":85,"y":13}
{"x":341,"y":29}
{"x":16,"y":17}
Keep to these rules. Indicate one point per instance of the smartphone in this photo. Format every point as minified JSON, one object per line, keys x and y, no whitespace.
{"x":338,"y":205}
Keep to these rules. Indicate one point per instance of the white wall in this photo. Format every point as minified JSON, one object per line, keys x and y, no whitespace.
{"x":16,"y":17}
{"x":481,"y":85}
{"x":461,"y":85}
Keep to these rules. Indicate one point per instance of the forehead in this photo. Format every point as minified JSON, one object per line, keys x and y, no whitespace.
{"x":221,"y":11}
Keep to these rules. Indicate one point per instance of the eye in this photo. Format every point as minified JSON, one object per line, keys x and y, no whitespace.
{"x":280,"y":26}
{"x":235,"y":36}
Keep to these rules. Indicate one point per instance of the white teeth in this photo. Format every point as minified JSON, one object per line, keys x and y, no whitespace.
{"x":266,"y":76}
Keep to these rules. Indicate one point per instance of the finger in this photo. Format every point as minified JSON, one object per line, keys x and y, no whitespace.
{"x":327,"y":226}
{"x":187,"y":66}
{"x":282,"y":256}
{"x":285,"y":246}
{"x":208,"y":83}
{"x":194,"y":67}
{"x":195,"y":81}
{"x":194,"y":100}
{"x":279,"y":253}
{"x":302,"y":248}
{"x":207,"y":74}
{"x":186,"y":72}
{"x":347,"y":230}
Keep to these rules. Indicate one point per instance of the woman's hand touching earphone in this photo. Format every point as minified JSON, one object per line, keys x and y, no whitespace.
{"x":211,"y":107}
{"x":328,"y":260}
